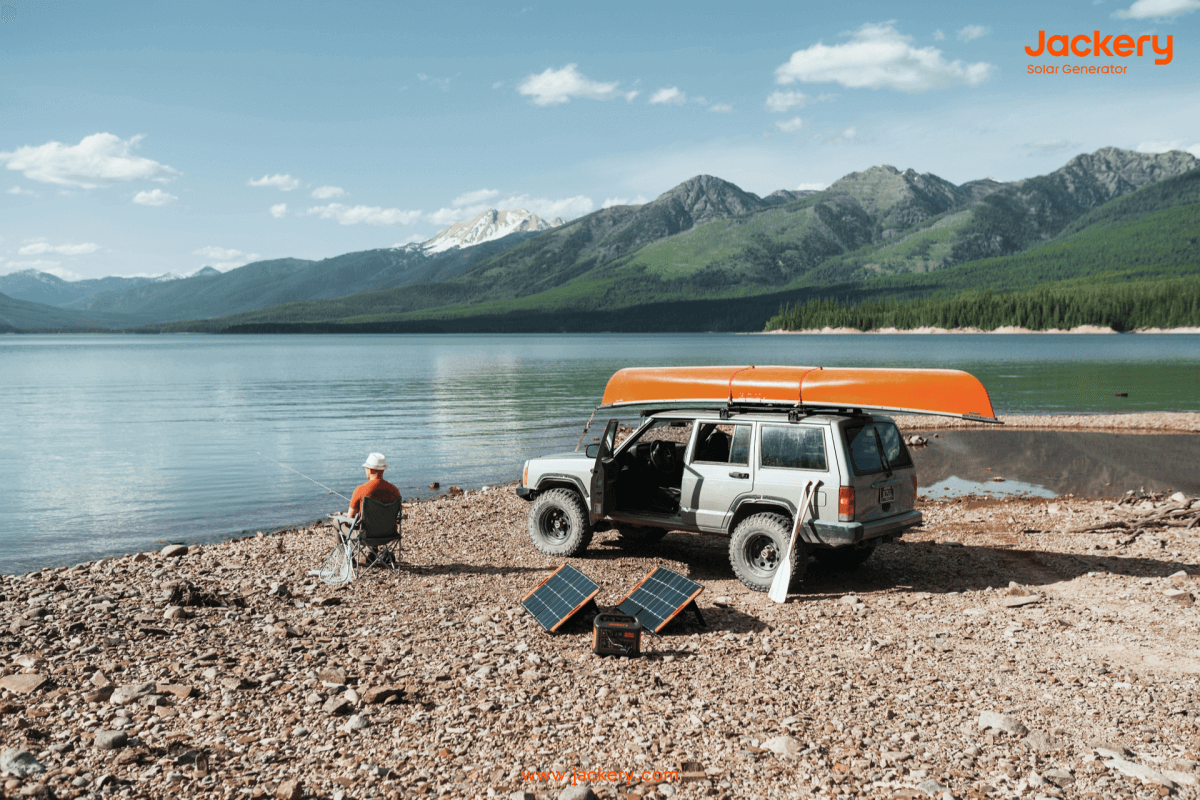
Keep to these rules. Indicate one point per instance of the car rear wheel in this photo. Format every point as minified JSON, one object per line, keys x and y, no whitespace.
{"x":757,"y":548}
{"x":845,"y":559}
{"x":558,"y":523}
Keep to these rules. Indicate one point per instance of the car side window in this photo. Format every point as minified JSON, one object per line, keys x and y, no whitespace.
{"x":792,"y":447}
{"x":721,"y":443}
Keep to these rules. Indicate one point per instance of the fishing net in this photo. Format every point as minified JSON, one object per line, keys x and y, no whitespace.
{"x":339,"y":567}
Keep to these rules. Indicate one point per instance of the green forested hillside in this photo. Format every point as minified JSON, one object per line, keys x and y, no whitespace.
{"x":1118,"y":304}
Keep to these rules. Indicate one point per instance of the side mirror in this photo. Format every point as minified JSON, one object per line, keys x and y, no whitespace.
{"x":592,"y":450}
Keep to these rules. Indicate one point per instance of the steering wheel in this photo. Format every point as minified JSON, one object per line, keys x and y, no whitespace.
{"x":662,"y":456}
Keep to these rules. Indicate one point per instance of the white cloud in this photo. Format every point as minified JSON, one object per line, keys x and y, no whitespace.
{"x":720,"y":108}
{"x":1145,"y":9}
{"x":938,"y":36}
{"x":970,"y":32}
{"x":441,"y":83}
{"x":219,"y":253}
{"x":328,"y":192}
{"x":17,"y":190}
{"x":790,"y":125}
{"x":1048,"y":146}
{"x":1167,"y":146}
{"x":880,"y":56}
{"x":224,"y":259}
{"x":371,"y":215}
{"x":631,"y":94}
{"x":556,"y":86}
{"x":624,"y":201}
{"x":279,"y":210}
{"x":154,"y":197}
{"x":475,"y":198}
{"x":38,"y":248}
{"x":284,"y":183}
{"x":670,"y":96}
{"x":814,"y":187}
{"x":101,"y":159}
{"x":782,"y":101}
{"x":60,"y":272}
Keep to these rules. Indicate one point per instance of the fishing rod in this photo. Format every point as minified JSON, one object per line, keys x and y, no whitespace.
{"x":302,"y":475}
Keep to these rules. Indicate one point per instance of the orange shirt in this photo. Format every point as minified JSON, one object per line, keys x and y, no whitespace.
{"x":376,"y":489}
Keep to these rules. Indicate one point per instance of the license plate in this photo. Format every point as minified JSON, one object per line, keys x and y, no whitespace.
{"x":887,"y":494}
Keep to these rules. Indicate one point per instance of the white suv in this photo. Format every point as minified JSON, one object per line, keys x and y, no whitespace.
{"x":733,"y":471}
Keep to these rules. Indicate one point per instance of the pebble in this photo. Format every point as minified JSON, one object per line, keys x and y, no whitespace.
{"x":19,"y":763}
{"x":579,"y":792}
{"x":111,"y":740}
{"x":783,"y":745}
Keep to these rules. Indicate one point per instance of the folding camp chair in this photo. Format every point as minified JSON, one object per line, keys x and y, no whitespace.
{"x":373,"y":537}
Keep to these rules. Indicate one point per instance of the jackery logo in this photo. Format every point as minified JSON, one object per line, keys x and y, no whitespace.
{"x":1084,"y":44}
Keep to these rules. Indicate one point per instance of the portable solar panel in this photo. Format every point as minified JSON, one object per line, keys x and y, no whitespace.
{"x":659,"y":598}
{"x":558,"y":598}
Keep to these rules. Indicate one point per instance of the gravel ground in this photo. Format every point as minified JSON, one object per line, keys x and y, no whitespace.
{"x":992,"y":653}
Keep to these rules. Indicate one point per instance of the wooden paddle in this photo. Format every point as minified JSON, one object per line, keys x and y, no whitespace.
{"x":783,"y":574}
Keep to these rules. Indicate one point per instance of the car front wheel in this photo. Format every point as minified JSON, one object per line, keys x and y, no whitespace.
{"x":757,"y":548}
{"x":558,"y":523}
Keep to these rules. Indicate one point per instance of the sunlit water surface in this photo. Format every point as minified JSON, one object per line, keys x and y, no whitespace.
{"x":112,"y":443}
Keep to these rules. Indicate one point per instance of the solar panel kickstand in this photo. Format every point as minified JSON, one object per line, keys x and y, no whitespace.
{"x":696,"y":610}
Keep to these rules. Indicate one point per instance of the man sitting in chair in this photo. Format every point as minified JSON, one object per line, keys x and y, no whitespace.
{"x":376,"y":488}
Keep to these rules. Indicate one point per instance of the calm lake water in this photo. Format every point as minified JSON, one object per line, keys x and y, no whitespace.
{"x":112,"y":443}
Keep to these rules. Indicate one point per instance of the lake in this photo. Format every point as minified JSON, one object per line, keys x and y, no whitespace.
{"x":115,"y":443}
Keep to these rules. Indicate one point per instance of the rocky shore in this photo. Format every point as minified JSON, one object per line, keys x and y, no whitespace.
{"x":1010,"y":648}
{"x":1136,"y":422}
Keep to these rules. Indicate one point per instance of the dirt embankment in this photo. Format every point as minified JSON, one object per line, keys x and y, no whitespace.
{"x":1137,"y":422}
{"x":1010,"y":648}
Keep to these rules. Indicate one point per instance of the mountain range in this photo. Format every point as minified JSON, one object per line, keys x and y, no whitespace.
{"x":695,"y":255}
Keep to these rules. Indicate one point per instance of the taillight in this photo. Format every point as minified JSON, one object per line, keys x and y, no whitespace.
{"x":846,"y":503}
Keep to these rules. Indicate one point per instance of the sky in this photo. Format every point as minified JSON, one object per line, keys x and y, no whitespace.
{"x":152,"y":138}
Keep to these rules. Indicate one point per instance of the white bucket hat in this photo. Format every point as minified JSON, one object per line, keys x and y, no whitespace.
{"x":376,"y":461}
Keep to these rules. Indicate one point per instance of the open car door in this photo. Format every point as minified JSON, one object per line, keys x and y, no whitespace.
{"x":604,"y":472}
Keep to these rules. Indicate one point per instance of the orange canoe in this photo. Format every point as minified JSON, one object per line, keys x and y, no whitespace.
{"x":948,"y":392}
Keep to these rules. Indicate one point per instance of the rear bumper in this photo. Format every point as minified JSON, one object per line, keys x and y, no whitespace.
{"x":840,"y":534}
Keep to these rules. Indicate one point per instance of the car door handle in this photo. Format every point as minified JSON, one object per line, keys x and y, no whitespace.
{"x":739,"y":474}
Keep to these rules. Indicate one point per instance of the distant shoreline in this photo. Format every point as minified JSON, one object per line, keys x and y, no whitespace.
{"x":1004,"y":329}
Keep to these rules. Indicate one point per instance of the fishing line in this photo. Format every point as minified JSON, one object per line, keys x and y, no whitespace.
{"x":302,"y":475}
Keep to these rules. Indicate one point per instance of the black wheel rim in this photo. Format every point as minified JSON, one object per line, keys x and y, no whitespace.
{"x":555,"y":525}
{"x":761,"y":553}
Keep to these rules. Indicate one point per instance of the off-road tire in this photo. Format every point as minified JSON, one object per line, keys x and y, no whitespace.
{"x":844,"y":559}
{"x":750,"y":548}
{"x":639,"y":537}
{"x":558,"y":523}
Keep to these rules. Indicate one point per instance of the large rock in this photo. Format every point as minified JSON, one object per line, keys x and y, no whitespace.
{"x":131,"y":692}
{"x":784,"y":746}
{"x":290,"y":790}
{"x":19,"y":763}
{"x":583,"y":792}
{"x":111,"y":740}
{"x":991,"y":720}
{"x":174,"y":550}
{"x":23,"y":683}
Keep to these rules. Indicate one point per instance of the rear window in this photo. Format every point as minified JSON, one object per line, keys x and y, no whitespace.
{"x":875,"y":447}
{"x":791,"y":447}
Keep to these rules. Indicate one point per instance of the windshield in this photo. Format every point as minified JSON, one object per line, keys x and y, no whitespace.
{"x":876,"y":447}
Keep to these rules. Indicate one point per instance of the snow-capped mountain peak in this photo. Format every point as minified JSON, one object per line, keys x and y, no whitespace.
{"x":485,"y":227}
